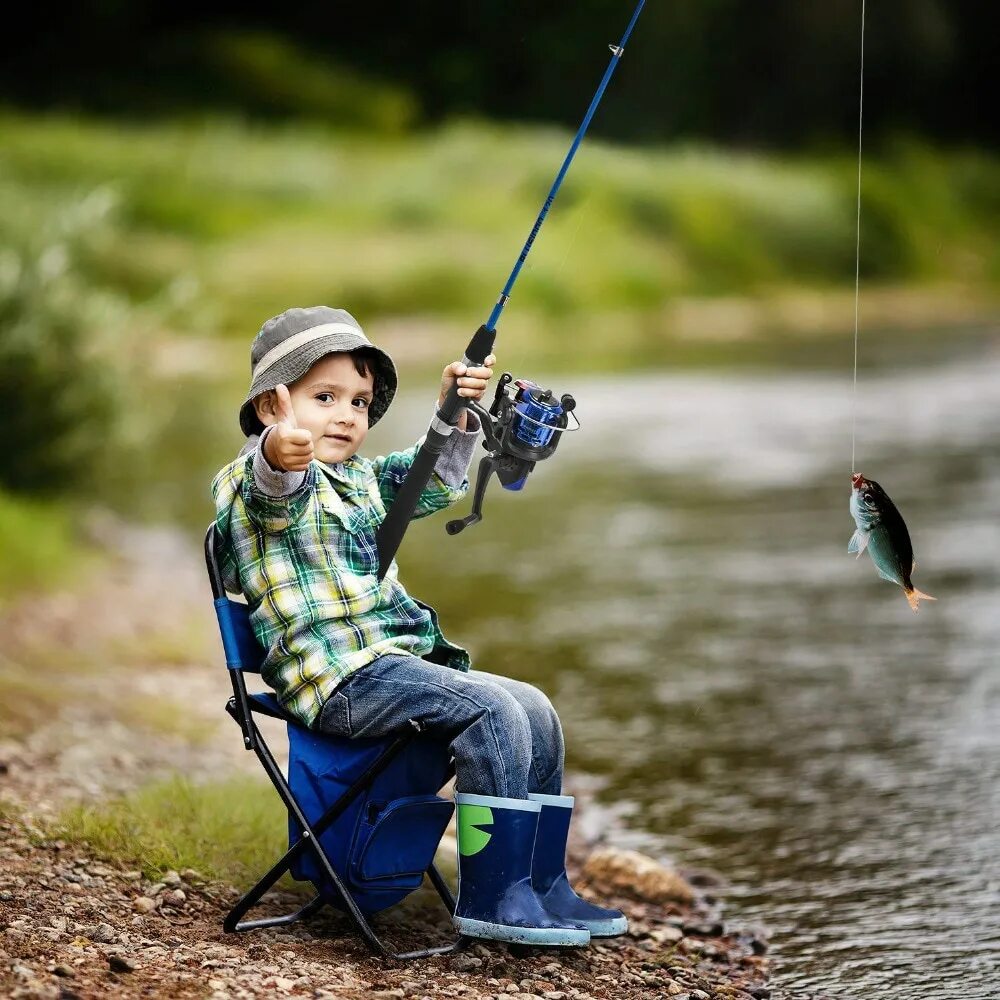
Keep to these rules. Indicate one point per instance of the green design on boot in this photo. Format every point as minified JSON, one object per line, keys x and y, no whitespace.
{"x":471,"y":840}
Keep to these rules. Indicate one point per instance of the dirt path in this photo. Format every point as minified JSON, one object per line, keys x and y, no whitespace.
{"x":100,"y":673}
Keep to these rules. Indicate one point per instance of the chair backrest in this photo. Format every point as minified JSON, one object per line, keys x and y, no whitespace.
{"x":243,"y":652}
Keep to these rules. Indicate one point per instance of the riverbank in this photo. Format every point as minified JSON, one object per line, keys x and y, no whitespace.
{"x":114,"y":665}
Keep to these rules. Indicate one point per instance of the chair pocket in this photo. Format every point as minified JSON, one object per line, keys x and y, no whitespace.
{"x":399,"y":842}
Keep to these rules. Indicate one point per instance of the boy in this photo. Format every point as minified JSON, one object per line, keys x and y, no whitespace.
{"x":356,"y":657}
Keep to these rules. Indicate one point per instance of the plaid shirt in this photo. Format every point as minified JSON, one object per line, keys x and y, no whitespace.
{"x":308,"y":566}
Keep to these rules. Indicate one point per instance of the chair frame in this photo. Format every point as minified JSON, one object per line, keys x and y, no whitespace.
{"x":241,"y":707}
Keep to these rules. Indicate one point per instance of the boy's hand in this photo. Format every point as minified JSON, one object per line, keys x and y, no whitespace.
{"x":471,"y":382}
{"x":288,"y":447}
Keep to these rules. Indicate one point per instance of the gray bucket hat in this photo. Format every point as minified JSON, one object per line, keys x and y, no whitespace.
{"x":288,"y":345}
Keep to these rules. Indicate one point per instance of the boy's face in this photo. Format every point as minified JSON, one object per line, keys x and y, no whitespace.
{"x":330,"y":401}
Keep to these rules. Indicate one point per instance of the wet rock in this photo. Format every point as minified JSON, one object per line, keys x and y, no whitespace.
{"x":636,"y":875}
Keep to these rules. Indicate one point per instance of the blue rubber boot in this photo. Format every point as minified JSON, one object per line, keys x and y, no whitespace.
{"x":548,"y":871}
{"x":496,"y":838}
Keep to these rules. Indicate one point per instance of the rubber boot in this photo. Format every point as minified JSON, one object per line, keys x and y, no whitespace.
{"x":496,"y":838}
{"x":548,"y":871}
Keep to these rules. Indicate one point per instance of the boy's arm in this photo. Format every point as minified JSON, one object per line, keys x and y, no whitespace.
{"x":274,"y":498}
{"x":449,"y":482}
{"x":271,"y":481}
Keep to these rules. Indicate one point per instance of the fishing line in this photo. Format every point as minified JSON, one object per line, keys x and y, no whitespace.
{"x":857,"y":247}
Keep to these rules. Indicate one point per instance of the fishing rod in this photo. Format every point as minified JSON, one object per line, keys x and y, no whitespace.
{"x":522,"y":427}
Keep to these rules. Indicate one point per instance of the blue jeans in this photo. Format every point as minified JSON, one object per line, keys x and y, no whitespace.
{"x":504,"y":734}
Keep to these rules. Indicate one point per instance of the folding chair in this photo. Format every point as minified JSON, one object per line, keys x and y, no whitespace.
{"x":364,"y":821}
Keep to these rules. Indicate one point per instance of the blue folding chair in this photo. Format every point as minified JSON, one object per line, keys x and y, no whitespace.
{"x":364,"y":816}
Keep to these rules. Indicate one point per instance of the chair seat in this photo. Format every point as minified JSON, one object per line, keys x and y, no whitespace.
{"x":267,"y":704}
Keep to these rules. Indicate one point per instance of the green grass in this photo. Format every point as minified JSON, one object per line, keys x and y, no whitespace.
{"x":231,"y":830}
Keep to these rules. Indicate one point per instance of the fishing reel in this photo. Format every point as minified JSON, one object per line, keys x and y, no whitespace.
{"x":522,"y":427}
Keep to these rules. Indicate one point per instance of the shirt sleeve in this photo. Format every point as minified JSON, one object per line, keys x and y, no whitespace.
{"x":274,"y":499}
{"x":449,"y":481}
{"x":270,"y":481}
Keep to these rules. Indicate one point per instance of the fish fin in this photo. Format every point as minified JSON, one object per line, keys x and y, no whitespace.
{"x":915,"y":596}
{"x":858,"y":542}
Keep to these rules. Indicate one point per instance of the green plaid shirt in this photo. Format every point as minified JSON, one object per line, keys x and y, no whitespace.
{"x":308,"y":566}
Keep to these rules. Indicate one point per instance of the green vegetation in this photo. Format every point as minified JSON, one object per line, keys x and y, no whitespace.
{"x":231,"y":830}
{"x":239,"y":221}
{"x":38,"y":545}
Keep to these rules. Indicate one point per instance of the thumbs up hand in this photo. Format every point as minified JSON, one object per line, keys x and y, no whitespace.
{"x":288,"y":446}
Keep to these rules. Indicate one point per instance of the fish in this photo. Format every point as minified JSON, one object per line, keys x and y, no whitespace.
{"x":882,"y":533}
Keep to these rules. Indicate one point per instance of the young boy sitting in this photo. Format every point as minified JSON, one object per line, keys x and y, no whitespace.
{"x":357,"y":657}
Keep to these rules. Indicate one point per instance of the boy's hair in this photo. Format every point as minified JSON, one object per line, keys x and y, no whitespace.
{"x":366,"y":362}
{"x":288,"y":345}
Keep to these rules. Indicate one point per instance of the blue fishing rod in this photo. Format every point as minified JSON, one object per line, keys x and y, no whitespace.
{"x":522,"y":426}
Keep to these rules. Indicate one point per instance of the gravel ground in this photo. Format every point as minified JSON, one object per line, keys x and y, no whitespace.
{"x":74,"y":926}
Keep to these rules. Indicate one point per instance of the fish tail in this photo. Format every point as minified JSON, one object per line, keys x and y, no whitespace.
{"x":914,"y":596}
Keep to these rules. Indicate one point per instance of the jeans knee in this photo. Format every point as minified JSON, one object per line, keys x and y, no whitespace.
{"x":539,"y":709}
{"x":509,"y":718}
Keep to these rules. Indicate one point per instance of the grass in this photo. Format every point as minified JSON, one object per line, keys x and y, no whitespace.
{"x":231,"y":830}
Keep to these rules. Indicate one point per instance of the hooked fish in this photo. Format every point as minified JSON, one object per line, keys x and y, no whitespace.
{"x":882,"y":532}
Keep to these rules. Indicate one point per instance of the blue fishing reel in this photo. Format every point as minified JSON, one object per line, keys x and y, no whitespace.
{"x":522,"y":427}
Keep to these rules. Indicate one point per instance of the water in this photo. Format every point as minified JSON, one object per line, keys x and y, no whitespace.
{"x":746,"y":696}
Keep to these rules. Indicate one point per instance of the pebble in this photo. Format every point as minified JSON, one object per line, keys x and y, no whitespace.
{"x":104,"y":933}
{"x":465,"y":963}
{"x":666,"y":934}
{"x":143,"y":904}
{"x":171,"y":878}
{"x":121,"y":963}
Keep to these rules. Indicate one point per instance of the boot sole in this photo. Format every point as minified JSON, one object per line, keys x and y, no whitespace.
{"x":606,"y":928}
{"x":558,"y":937}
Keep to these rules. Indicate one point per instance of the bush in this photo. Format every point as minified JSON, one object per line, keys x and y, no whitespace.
{"x":59,"y":368}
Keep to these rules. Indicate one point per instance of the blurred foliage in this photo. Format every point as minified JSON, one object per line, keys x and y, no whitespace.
{"x":430,"y":224}
{"x":59,"y":375}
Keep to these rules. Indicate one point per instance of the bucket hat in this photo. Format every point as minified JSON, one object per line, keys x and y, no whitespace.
{"x":288,"y":345}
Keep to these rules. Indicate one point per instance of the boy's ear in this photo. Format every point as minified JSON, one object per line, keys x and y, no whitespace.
{"x":266,"y":407}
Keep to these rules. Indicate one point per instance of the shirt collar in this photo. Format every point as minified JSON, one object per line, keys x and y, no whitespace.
{"x":350,"y":472}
